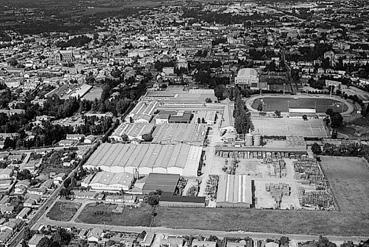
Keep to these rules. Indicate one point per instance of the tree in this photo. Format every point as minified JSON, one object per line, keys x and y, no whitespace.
{"x":153,"y":199}
{"x":24,"y":174}
{"x":260,"y":107}
{"x":147,"y":137}
{"x":284,"y":241}
{"x":44,"y":242}
{"x":316,"y":149}
{"x":13,"y":62}
{"x":61,"y":236}
{"x":67,"y":182}
{"x":219,"y":91}
{"x":125,"y":137}
{"x":304,"y":117}
{"x":27,"y":235}
{"x":329,"y":112}
{"x":277,"y":113}
{"x":336,"y":120}
{"x":64,"y":192}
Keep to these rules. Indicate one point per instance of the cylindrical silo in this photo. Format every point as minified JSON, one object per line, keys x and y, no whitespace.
{"x":248,"y":139}
{"x":257,"y":140}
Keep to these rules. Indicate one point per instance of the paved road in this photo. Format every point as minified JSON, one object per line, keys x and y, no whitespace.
{"x":221,"y":234}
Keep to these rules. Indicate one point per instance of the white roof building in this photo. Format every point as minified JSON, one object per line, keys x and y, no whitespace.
{"x":180,"y":159}
{"x":248,"y":77}
{"x":107,"y":181}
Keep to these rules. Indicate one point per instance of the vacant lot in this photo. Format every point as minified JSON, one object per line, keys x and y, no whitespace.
{"x":348,"y":177}
{"x":283,"y":103}
{"x":275,"y":221}
{"x":63,"y":210}
{"x":104,"y":214}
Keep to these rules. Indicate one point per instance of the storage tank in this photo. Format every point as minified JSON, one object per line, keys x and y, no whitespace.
{"x":257,"y":140}
{"x":248,"y":139}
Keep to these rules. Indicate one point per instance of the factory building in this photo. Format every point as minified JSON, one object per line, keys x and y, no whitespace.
{"x":182,"y":159}
{"x":234,"y":191}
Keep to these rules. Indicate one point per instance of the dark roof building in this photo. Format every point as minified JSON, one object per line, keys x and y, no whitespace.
{"x":166,"y":183}
{"x":181,"y":117}
{"x":182,"y":201}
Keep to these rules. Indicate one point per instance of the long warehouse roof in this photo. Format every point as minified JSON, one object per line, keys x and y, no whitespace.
{"x":234,"y":189}
{"x":145,"y":155}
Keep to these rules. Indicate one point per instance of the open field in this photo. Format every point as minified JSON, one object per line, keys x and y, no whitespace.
{"x":63,"y":210}
{"x":290,"y":126}
{"x":283,"y":103}
{"x":276,"y":221}
{"x":348,"y":178}
{"x":103,"y":214}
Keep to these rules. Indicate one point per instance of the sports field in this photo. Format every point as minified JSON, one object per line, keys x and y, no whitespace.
{"x":290,"y":126}
{"x":271,"y":104}
{"x":348,"y":178}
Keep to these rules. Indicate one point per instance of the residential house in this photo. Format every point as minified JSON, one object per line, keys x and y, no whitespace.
{"x":6,"y":173}
{"x":94,"y":235}
{"x":32,"y":200}
{"x":12,"y":225}
{"x":23,"y":213}
{"x":6,"y":208}
{"x":5,"y":236}
{"x":148,"y":239}
{"x":35,"y":240}
{"x":21,"y":187}
{"x":203,"y":243}
{"x":80,"y":194}
{"x":76,"y":137}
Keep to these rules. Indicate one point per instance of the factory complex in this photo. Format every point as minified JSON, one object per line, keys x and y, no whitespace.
{"x":184,"y":144}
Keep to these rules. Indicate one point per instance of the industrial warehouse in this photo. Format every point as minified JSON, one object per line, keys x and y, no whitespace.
{"x":133,"y":131}
{"x":253,"y":148}
{"x":234,"y":191}
{"x":107,"y":181}
{"x":193,"y":134}
{"x":180,"y":133}
{"x":143,"y":159}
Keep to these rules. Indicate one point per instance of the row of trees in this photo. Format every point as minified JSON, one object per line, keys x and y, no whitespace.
{"x":78,"y":41}
{"x":347,"y":149}
{"x":241,"y":115}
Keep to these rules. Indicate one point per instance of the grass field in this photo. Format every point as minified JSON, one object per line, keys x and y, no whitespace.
{"x":273,"y":221}
{"x":348,"y":178}
{"x":283,"y":103}
{"x":63,"y":211}
{"x":290,"y":126}
{"x":103,"y":214}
